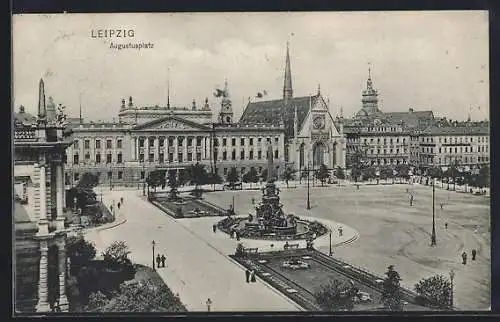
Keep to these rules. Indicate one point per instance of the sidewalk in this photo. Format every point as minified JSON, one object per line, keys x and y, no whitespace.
{"x":197,"y":268}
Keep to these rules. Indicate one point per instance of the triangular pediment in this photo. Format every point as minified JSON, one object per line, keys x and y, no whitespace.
{"x":171,"y":123}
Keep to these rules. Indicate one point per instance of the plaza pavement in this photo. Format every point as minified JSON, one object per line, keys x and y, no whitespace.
{"x":392,"y":232}
{"x":198,"y":267}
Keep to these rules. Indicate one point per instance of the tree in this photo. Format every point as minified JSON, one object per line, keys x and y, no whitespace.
{"x":483,"y":178}
{"x":369,"y":173}
{"x":156,"y":178}
{"x":251,"y":176}
{"x":391,"y":294}
{"x":322,"y":174}
{"x":96,"y":301}
{"x":339,"y":173}
{"x":173,"y":184}
{"x":88,"y":180}
{"x":198,"y":176}
{"x":116,"y":253}
{"x":288,"y":174}
{"x":263,"y":174}
{"x":79,"y":250}
{"x":403,"y":171}
{"x":336,"y":296}
{"x":183,"y":177}
{"x":232,"y":176}
{"x":435,"y":290}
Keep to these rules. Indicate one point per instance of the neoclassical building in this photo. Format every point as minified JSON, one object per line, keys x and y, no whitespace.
{"x":40,"y":251}
{"x":301,"y":131}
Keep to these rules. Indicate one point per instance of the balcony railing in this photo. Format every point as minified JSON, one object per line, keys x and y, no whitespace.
{"x":25,"y":134}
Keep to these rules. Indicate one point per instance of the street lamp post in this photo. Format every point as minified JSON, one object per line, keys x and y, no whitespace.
{"x":153,"y":244}
{"x":452,"y":275}
{"x":331,"y":243}
{"x":144,"y":179}
{"x":433,"y":236}
{"x":308,"y":201}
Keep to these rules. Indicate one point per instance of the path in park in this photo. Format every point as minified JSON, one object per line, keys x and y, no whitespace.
{"x":196,"y":270}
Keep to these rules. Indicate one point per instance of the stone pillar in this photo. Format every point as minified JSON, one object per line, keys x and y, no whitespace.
{"x":63,"y":299}
{"x":59,"y":196}
{"x":43,"y":224}
{"x":184,"y":149}
{"x":176,"y":148}
{"x":43,"y":303}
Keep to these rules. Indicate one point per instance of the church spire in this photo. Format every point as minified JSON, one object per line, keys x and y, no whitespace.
{"x":287,"y":87}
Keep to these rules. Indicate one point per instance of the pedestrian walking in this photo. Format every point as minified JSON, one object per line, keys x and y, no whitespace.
{"x":121,"y":200}
{"x":285,"y":247}
{"x":252,"y":276}
{"x":473,"y":254}
{"x":247,"y":275}
{"x":340,"y":231}
{"x":163,"y":258}
{"x":158,"y":260}
{"x":111,"y":208}
{"x":464,"y":258}
{"x":214,"y":227}
{"x":445,"y":225}
{"x":118,"y":205}
{"x":209,"y":304}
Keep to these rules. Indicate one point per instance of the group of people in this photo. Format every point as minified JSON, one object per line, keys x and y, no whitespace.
{"x":464,"y":256}
{"x":160,"y":260}
{"x":250,"y":276}
{"x":120,"y":203}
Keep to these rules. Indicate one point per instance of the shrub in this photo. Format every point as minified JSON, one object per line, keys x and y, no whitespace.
{"x":116,"y":254}
{"x":79,"y":250}
{"x":96,"y":301}
{"x":435,"y":290}
{"x":239,"y":250}
{"x":178,"y":212}
{"x":336,"y":296}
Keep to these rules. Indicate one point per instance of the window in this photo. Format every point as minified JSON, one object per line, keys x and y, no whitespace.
{"x":198,"y":141}
{"x":119,"y":143}
{"x":161,"y":142}
{"x":233,"y":155}
{"x":141,"y":142}
{"x":460,"y":149}
{"x":97,"y":144}
{"x":151,"y":142}
{"x":251,"y":141}
{"x":224,"y":141}
{"x":439,"y":150}
{"x":120,"y":175}
{"x":371,"y":140}
{"x":216,"y":142}
{"x":143,"y":175}
{"x":180,"y":140}
{"x":242,"y":170}
{"x":225,"y":171}
{"x":108,"y":158}
{"x":224,"y":155}
{"x":119,"y":158}
{"x":276,"y":140}
{"x":170,"y":157}
{"x":87,"y":156}
{"x":170,"y":141}
{"x":190,"y":156}
{"x":161,"y":157}
{"x":76,"y":144}
{"x":141,"y":157}
{"x":109,"y":144}
{"x":259,"y":140}
{"x":151,"y":157}
{"x":190,"y":141}
{"x":76,"y":176}
{"x":242,"y":154}
{"x":110,"y":175}
{"x":179,"y":157}
{"x":233,"y":141}
{"x":98,"y":158}
{"x":259,"y":155}
{"x":404,"y":140}
{"x":242,"y":141}
{"x":444,"y":140}
{"x":198,"y":156}
{"x":251,"y":155}
{"x":76,"y":160}
{"x":276,"y":154}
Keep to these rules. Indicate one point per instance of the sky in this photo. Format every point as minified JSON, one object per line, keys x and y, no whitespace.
{"x":419,"y":60}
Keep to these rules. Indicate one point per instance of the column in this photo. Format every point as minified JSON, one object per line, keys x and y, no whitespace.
{"x":137,"y":148}
{"x":184,"y":149}
{"x":203,"y":145}
{"x":59,"y":197}
{"x":176,"y":147}
{"x":63,"y":299}
{"x":43,"y":224}
{"x":133,"y":149}
{"x":43,"y":303}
